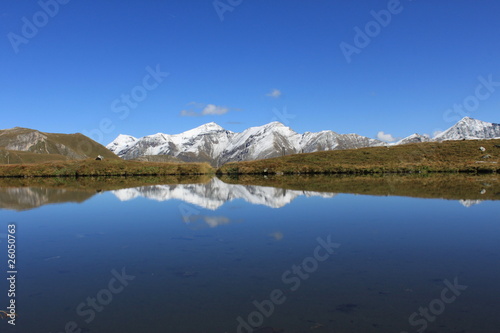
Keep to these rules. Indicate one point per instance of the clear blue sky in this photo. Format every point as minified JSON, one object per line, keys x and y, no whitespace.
{"x":66,"y":76}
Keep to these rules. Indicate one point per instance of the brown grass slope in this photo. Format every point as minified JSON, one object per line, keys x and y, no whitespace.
{"x":447,"y":156}
{"x":107,"y":167}
{"x":23,"y":145}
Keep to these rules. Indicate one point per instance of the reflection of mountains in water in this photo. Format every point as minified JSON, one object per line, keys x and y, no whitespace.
{"x":24,"y":198}
{"x":271,"y":192}
{"x":215,"y":193}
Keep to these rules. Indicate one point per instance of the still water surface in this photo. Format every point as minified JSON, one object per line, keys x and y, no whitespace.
{"x":222,"y":258}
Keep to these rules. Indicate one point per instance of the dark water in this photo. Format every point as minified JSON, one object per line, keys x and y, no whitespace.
{"x":199,"y":258}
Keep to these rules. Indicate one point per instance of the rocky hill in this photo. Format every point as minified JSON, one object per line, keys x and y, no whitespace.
{"x":24,"y":145}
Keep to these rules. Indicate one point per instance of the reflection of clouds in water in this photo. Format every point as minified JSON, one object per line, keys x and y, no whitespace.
{"x":277,"y":235}
{"x":215,"y":221}
{"x":211,"y":221}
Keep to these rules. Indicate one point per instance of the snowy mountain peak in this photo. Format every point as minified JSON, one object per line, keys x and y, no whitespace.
{"x":472,"y":122}
{"x":122,"y":140}
{"x":414,"y":138}
{"x":274,"y":124}
{"x":125,"y":137}
{"x":210,"y":127}
{"x":470,"y":129}
{"x":203,"y":129}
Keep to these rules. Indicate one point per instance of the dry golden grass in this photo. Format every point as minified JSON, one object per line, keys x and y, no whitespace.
{"x":91,"y":167}
{"x":449,"y":156}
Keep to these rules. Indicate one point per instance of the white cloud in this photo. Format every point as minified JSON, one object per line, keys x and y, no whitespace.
{"x":385,"y":137}
{"x":214,"y":109}
{"x":206,"y":110}
{"x":275,"y":93}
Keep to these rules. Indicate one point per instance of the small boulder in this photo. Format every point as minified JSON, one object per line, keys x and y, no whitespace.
{"x":486,"y":156}
{"x":482,"y":149}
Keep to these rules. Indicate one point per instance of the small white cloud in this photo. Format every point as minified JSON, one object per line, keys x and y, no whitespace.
{"x":204,"y":110}
{"x":385,"y":137}
{"x":275,"y":93}
{"x":214,"y":109}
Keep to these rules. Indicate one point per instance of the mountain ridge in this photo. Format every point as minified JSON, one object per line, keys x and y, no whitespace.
{"x":213,"y":144}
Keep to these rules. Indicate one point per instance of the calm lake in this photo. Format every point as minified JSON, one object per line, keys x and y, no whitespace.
{"x":265,"y":255}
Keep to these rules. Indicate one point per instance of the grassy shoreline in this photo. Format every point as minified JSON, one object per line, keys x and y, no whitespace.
{"x":105,"y":168}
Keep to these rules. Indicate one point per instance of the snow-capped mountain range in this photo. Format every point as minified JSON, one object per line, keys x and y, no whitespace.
{"x":216,"y":145}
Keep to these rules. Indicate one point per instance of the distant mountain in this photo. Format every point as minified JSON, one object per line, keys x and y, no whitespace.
{"x":470,"y":129}
{"x":24,"y":145}
{"x":25,"y":198}
{"x":216,"y":145}
{"x":414,"y":138}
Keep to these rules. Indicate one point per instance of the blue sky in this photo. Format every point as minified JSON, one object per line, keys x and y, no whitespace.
{"x":266,"y":60}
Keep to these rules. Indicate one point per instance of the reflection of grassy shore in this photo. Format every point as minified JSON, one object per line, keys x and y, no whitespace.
{"x":47,"y":190}
{"x":448,"y":156}
{"x":106,"y":167}
{"x":93,"y":184}
{"x":446,"y":186}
